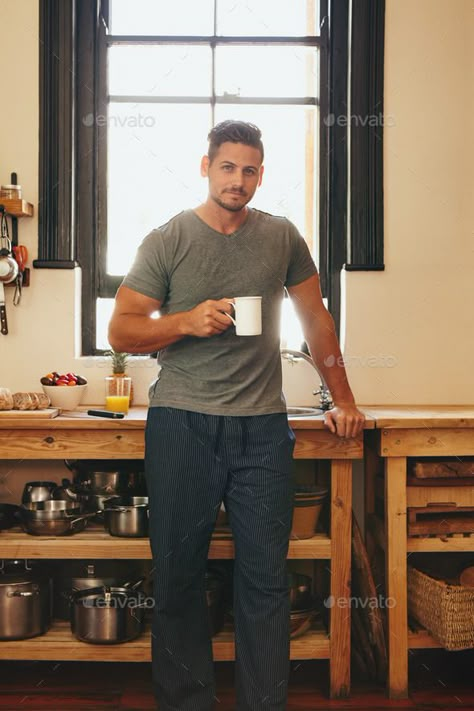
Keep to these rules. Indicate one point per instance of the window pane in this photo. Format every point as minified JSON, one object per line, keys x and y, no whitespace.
{"x":291,"y":18}
{"x":181,"y":70}
{"x":267,"y":71}
{"x":153,"y":171}
{"x":156,"y":17}
{"x":103,"y":311}
{"x":290,"y":180}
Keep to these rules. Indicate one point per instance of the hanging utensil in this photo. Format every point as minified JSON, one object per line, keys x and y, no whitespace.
{"x":3,"y":311}
{"x":21,"y":255}
{"x":8,"y":270}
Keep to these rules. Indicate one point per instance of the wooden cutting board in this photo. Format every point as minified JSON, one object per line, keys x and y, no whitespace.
{"x":47,"y":413}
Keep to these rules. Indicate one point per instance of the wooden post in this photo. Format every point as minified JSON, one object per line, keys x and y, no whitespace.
{"x":340,"y":612}
{"x":396,"y":575}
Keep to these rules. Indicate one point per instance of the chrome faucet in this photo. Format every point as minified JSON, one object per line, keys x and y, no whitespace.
{"x":325,"y":399}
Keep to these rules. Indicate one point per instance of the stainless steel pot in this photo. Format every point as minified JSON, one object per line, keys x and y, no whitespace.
{"x":127,"y":516}
{"x":73,"y":575}
{"x":25,"y":604}
{"x":107,"y":615}
{"x":53,"y":518}
{"x":107,"y":477}
{"x":38,"y":491}
{"x":50,"y":510}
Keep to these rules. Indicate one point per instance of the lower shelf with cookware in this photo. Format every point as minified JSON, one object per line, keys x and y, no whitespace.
{"x":94,"y":542}
{"x":59,"y":644}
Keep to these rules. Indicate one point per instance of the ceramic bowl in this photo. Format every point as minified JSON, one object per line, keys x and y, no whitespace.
{"x":65,"y":397}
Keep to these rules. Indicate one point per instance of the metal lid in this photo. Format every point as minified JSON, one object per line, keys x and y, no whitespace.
{"x":17,"y":579}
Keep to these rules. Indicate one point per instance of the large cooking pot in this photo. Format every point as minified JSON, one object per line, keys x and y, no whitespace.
{"x":96,"y":476}
{"x":108,"y":615}
{"x":73,"y":575}
{"x":25,"y":603}
{"x":127,"y":516}
{"x":53,"y":518}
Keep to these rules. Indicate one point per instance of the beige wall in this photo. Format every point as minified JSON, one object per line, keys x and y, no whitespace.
{"x":416,"y":317}
{"x":408,"y":334}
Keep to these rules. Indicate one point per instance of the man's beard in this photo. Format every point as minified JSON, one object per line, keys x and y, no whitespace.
{"x":230,"y":207}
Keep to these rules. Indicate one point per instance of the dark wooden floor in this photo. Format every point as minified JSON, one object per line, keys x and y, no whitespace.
{"x":438,"y":680}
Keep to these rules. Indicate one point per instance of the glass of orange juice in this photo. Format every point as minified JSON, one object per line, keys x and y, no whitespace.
{"x":117,"y":393}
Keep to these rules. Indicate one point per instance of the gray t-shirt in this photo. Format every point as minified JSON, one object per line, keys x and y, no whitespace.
{"x":185,"y":262}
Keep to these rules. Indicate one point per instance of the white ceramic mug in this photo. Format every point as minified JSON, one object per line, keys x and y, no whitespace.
{"x":248,"y":315}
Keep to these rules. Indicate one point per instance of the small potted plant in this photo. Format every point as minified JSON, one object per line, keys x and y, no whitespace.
{"x":119,"y":367}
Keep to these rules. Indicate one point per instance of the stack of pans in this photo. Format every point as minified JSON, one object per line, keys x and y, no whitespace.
{"x":97,"y":481}
{"x":52,"y":518}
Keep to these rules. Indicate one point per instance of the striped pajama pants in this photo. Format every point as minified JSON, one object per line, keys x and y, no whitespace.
{"x":193,"y":462}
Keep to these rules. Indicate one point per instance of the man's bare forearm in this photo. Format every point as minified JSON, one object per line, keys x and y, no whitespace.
{"x":133,"y":333}
{"x":326,"y":353}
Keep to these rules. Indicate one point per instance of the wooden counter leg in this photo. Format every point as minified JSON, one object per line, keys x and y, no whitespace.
{"x":371,"y":468}
{"x":340,"y":614}
{"x":396,"y":575}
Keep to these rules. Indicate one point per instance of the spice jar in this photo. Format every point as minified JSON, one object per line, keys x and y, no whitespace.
{"x":10,"y":192}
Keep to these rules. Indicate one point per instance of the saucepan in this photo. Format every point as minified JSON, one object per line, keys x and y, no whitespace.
{"x":127,"y":516}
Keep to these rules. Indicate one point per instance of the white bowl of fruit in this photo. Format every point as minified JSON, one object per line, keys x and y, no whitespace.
{"x":64,"y":390}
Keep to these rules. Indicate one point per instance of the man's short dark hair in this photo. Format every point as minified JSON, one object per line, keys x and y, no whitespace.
{"x":234,"y":132}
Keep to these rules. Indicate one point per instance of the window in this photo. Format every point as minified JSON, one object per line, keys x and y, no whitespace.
{"x":173,"y":71}
{"x":111,"y":168}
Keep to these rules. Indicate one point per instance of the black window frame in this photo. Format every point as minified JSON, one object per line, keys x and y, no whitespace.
{"x":72,"y":168}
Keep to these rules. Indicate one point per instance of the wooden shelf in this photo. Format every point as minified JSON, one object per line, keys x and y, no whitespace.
{"x":94,"y":542}
{"x":61,"y":645}
{"x":17,"y":208}
{"x":421,"y":639}
{"x":455,"y":543}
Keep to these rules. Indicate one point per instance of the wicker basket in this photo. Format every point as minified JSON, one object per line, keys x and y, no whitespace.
{"x":445,"y":610}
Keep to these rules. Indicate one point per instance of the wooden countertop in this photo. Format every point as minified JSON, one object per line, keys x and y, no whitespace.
{"x":377,"y":417}
{"x":420,"y":416}
{"x":135,"y":420}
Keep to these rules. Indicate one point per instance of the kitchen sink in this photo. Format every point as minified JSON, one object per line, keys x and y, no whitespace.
{"x":303,"y":411}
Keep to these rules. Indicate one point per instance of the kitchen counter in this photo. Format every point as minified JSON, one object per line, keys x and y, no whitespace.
{"x":75,"y":435}
{"x":403,"y":432}
{"x":69,"y":435}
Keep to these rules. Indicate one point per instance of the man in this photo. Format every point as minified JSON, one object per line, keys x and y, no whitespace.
{"x":217,"y":427}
